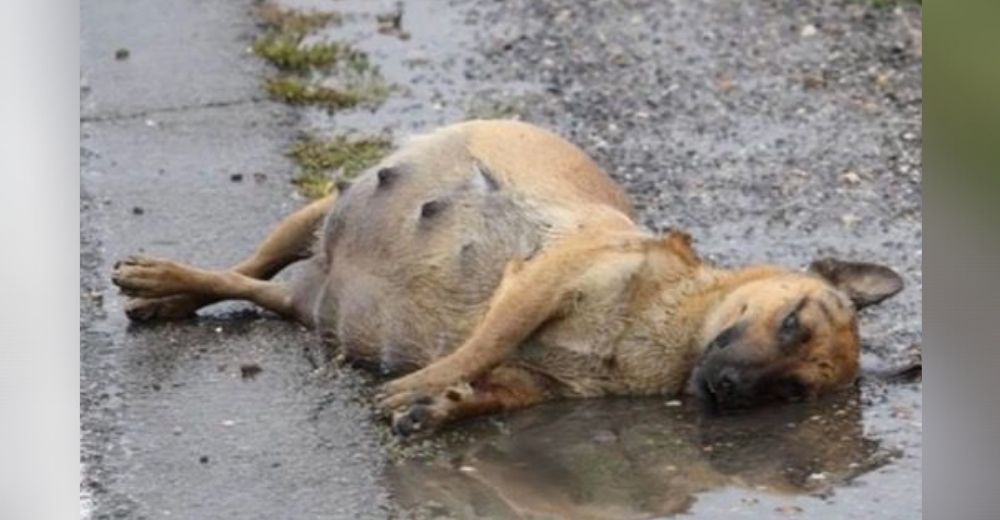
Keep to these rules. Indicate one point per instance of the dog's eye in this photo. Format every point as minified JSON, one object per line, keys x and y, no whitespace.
{"x":790,"y":325}
{"x":791,"y":331}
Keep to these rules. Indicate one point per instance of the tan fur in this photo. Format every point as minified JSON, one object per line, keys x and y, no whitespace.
{"x":497,"y":258}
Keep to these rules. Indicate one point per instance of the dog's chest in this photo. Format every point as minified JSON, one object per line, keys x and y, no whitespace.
{"x":621,"y":336}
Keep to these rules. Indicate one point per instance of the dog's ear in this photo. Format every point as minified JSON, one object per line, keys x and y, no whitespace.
{"x":865,"y":284}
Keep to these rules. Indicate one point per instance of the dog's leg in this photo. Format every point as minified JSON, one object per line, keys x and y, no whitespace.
{"x":289,"y":242}
{"x":504,"y":388}
{"x":530,"y":293}
{"x":153,"y":278}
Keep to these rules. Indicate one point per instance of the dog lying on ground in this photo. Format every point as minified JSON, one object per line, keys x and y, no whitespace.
{"x":497,"y":266}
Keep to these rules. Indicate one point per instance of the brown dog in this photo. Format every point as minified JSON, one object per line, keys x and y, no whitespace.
{"x":501,"y":267}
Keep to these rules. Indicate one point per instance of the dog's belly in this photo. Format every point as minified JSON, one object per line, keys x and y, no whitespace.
{"x":413,"y":260}
{"x":411,"y":253}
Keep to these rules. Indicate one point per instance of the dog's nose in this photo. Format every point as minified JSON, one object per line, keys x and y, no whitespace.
{"x":726,"y":384}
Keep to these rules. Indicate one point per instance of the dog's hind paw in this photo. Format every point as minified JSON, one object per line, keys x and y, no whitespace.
{"x":145,"y":277}
{"x":167,"y":308}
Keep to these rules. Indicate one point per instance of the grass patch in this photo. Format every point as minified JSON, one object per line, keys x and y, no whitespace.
{"x":274,"y":18}
{"x":296,"y":91}
{"x":323,"y":163}
{"x":281,"y":43}
{"x":287,"y":52}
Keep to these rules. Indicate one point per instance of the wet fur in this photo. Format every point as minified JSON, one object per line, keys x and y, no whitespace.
{"x":499,"y":266}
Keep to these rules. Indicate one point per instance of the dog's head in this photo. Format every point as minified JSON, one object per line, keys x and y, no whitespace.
{"x":789,"y":336}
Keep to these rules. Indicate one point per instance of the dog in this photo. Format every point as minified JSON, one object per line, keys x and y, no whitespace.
{"x":492,"y":265}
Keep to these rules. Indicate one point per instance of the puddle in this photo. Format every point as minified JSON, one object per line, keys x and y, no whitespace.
{"x":637,"y":458}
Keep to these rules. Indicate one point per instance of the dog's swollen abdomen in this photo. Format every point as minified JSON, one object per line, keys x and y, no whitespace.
{"x":413,"y":253}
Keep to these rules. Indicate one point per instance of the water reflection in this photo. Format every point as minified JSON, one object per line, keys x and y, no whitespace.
{"x":607,"y":459}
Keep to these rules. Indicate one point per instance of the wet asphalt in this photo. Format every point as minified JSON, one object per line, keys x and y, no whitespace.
{"x":771,"y":131}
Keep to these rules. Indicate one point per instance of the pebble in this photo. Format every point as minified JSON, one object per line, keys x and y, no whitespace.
{"x":122,"y":54}
{"x":849,"y":219}
{"x":808,"y":30}
{"x":851,"y":177}
{"x":250,"y":370}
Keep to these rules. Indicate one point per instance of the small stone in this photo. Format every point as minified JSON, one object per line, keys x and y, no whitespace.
{"x":817,"y":476}
{"x":122,"y":54}
{"x":228,"y":422}
{"x":250,"y":370}
{"x":808,"y":30}
{"x":882,"y":80}
{"x":150,"y":123}
{"x":136,"y":210}
{"x":851,"y":177}
{"x":177,"y":430}
{"x":467,"y":469}
{"x":673,"y":402}
{"x":203,"y":459}
{"x":813,"y":81}
{"x":236,"y":177}
{"x":849,"y":219}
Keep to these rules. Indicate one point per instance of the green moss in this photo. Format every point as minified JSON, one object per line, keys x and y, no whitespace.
{"x":287,"y":52}
{"x":274,"y":18}
{"x":297,"y":92}
{"x":322,"y":163}
{"x":281,"y":43}
{"x":313,"y":186}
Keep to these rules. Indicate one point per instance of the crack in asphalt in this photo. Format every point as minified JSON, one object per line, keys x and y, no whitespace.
{"x":102,"y":118}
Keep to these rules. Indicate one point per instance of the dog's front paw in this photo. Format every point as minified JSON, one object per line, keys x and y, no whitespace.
{"x":420,"y":416}
{"x":426,"y":413}
{"x":402,"y":392}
